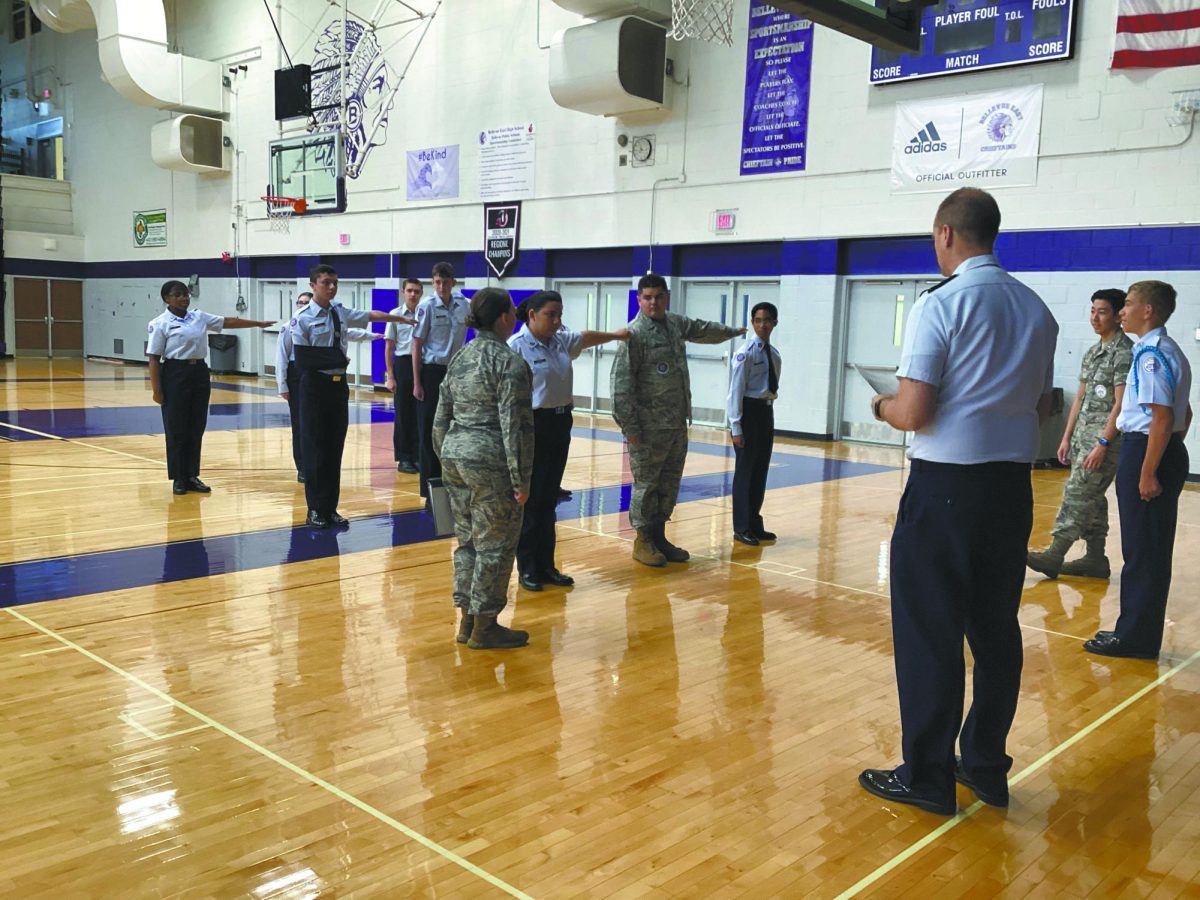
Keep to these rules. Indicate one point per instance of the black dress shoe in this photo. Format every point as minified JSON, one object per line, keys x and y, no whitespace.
{"x":195,"y":484}
{"x":300,"y":477}
{"x":557,"y":578}
{"x":316,"y":520}
{"x":884,"y":783}
{"x":764,"y":535}
{"x":1111,"y":645}
{"x":339,"y":521}
{"x":1101,"y":635}
{"x":988,"y":796}
{"x":563,"y":495}
{"x":407,"y":468}
{"x":529,"y":582}
{"x":179,"y":487}
{"x":745,"y":537}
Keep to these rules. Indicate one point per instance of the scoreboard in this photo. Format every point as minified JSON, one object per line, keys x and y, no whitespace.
{"x":969,"y":35}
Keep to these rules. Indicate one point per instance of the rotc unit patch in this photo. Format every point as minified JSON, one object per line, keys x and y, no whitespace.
{"x":662,"y":368}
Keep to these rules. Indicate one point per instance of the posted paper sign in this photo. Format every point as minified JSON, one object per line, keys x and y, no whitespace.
{"x":981,"y":140}
{"x":506,"y":157}
{"x":150,"y":228}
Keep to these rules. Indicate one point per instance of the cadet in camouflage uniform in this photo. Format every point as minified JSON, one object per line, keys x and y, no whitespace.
{"x":483,"y":434}
{"x":1090,"y":445}
{"x":652,"y":402}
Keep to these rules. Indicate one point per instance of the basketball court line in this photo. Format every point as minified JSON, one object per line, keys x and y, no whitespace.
{"x":915,"y":848}
{"x":54,"y":437}
{"x":315,"y":780}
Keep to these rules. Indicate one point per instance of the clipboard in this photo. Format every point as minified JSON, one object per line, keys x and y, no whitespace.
{"x":881,"y":381}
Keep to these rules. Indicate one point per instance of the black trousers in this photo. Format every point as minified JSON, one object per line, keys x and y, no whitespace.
{"x":324,"y":417}
{"x":551,"y":445}
{"x":752,"y":463}
{"x":1147,"y":540}
{"x":185,"y":392}
{"x":957,"y":568}
{"x":404,"y":430}
{"x":431,"y":383}
{"x":293,"y":386}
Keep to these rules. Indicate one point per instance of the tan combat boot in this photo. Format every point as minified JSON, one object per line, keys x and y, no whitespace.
{"x":465,"y":626}
{"x":488,"y":634}
{"x":644,"y":550}
{"x":670,"y":551}
{"x":1094,"y":564}
{"x":1049,"y":561}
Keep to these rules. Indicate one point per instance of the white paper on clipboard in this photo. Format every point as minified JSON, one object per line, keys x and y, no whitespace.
{"x":882,"y":382}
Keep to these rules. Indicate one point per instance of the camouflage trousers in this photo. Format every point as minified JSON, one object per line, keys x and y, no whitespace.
{"x":487,"y":523}
{"x":657,"y":467}
{"x":1083,"y":514}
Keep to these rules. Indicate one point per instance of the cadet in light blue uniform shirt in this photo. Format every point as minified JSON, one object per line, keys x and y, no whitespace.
{"x":1155,"y":417}
{"x":177,"y":349}
{"x":976,"y":374}
{"x":548,"y":348}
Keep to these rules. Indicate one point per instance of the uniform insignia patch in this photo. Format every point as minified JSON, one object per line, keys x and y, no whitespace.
{"x":1150,"y":364}
{"x":741,"y":357}
{"x":662,"y":368}
{"x":1101,"y":391}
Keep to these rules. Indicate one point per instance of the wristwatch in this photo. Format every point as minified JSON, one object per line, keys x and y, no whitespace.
{"x":1102,"y":441}
{"x":877,"y":408}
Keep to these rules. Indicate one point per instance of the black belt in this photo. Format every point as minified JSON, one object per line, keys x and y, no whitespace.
{"x":555,"y":410}
{"x":761,"y":401}
{"x":189,"y":362}
{"x":1142,"y":437}
{"x":999,"y":467}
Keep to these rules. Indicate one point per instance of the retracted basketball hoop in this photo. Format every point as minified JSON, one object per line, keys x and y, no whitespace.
{"x":703,"y":20}
{"x":281,"y":209}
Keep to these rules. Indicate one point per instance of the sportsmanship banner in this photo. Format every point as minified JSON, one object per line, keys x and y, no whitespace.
{"x":981,"y":140}
{"x":501,"y":235}
{"x":778,"y":76}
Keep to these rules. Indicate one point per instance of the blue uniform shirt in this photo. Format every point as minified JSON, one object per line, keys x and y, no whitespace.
{"x":550,"y":363}
{"x":750,"y":379}
{"x":441,"y":329}
{"x":182,"y":337}
{"x":1150,"y":382}
{"x":399,"y":332}
{"x":986,"y":342}
{"x":284,"y":353}
{"x":313,"y":327}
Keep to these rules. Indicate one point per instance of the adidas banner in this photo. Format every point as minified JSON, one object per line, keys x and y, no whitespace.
{"x":981,"y":140}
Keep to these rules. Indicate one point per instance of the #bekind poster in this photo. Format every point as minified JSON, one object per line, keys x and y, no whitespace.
{"x":778,"y":78}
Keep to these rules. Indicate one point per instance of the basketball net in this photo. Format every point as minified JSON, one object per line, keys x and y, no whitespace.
{"x":704,"y":20}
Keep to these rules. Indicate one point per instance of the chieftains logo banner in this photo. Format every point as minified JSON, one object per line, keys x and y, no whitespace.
{"x":501,"y":235}
{"x":981,"y":140}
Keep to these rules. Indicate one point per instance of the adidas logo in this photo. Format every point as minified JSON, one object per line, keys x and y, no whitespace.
{"x":927,"y":140}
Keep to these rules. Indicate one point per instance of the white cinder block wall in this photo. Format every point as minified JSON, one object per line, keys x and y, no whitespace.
{"x":1110,"y":159}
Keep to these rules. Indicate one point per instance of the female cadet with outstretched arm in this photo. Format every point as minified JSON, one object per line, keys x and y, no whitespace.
{"x":549,"y":349}
{"x":483,"y":434}
{"x":177,"y":350}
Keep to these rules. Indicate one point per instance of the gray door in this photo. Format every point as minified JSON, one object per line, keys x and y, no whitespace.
{"x":594,"y":306}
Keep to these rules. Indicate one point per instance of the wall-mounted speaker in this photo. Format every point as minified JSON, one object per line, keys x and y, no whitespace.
{"x":293,"y":92}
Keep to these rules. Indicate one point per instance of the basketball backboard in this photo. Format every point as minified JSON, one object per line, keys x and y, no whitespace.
{"x":889,"y":24}
{"x":311,"y":167}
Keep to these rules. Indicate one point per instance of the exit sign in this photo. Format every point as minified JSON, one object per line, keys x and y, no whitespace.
{"x":724,"y":221}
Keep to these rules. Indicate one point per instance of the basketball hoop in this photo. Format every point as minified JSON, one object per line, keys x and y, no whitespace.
{"x":281,"y":209}
{"x":704,"y":20}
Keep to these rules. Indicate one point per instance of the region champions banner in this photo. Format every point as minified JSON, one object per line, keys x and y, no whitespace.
{"x":778,"y":76}
{"x":433,"y":173}
{"x":501,"y":235}
{"x":982,"y":140}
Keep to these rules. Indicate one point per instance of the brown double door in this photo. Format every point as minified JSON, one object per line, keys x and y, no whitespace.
{"x":48,"y":317}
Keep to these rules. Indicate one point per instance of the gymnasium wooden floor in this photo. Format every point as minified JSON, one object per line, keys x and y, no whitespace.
{"x":201,"y":699}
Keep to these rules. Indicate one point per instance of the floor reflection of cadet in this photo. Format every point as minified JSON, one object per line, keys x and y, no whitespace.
{"x":652,"y":402}
{"x":1091,"y":446}
{"x":483,"y":435}
{"x":398,"y":359}
{"x":287,"y":376}
{"x":976,"y":374}
{"x":1155,"y":417}
{"x":177,"y":349}
{"x":549,"y":350}
{"x":439,"y":333}
{"x":753,"y":387}
{"x":319,"y":338}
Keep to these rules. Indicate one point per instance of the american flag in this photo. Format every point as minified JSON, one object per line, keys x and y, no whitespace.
{"x":1157,"y":34}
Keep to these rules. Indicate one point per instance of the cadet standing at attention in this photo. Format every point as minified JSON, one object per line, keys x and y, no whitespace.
{"x":548,"y":348}
{"x":398,"y":359}
{"x":1090,"y":446}
{"x":440,"y":332}
{"x":652,"y":402}
{"x":753,"y":387}
{"x":177,"y":349}
{"x":1155,"y":417}
{"x":319,"y":338}
{"x":287,"y":376}
{"x":483,"y":434}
